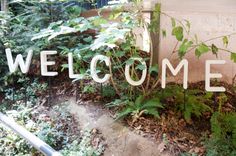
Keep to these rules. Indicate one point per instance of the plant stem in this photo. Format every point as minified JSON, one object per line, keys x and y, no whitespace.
{"x":112,"y":81}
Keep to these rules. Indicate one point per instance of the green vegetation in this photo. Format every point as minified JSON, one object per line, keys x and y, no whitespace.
{"x":141,"y":106}
{"x":58,"y":25}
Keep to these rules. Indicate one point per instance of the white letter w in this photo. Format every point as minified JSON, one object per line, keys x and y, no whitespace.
{"x":19,"y":61}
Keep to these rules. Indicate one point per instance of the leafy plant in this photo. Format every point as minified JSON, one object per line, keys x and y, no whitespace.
{"x":223,"y":139}
{"x":141,"y":106}
{"x":84,"y":147}
{"x":223,"y":126}
{"x":190,"y":102}
{"x":215,"y":147}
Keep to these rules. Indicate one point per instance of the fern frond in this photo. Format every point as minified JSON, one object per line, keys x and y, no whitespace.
{"x":124,"y":113}
{"x":216,"y":125}
{"x":155,"y":102}
{"x":153,"y":111}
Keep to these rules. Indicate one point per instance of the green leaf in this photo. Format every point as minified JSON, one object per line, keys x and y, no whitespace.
{"x":201,"y":49}
{"x":215,"y":125}
{"x":129,"y":61}
{"x":178,"y":33}
{"x":173,"y":23}
{"x":233,"y":57}
{"x":184,"y":47}
{"x":124,"y":113}
{"x":214,"y":49}
{"x":119,"y":53}
{"x":139,"y":100}
{"x":64,"y":66}
{"x":141,"y":67}
{"x":88,"y":39}
{"x":154,"y":69}
{"x":155,"y":102}
{"x":153,"y":112}
{"x":225,"y":41}
{"x":163,"y":33}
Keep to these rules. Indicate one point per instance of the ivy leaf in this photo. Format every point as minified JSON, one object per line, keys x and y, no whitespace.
{"x":201,"y":49}
{"x":233,"y":57}
{"x":178,"y":33}
{"x":154,"y":68}
{"x":214,"y":49}
{"x":225,"y":41}
{"x":173,"y":23}
{"x":184,"y":47}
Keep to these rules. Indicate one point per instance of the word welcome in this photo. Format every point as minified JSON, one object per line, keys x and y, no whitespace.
{"x":25,"y":65}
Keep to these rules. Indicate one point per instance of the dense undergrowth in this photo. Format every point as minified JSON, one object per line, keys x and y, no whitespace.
{"x":57,"y":25}
{"x":53,"y":124}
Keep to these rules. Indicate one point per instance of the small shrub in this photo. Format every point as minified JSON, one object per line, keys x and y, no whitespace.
{"x":190,"y":102}
{"x":141,"y":106}
{"x":223,"y":139}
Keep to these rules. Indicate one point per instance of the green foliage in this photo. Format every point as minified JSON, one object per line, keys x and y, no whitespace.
{"x":184,"y":47}
{"x":89,"y":89}
{"x":154,"y":69}
{"x":201,"y":49}
{"x":233,"y":57}
{"x":155,"y":22}
{"x":225,"y":41}
{"x":178,"y":32}
{"x":214,"y":49}
{"x":217,"y":147}
{"x":141,"y":106}
{"x":222,"y":99}
{"x":224,"y":127}
{"x":83,"y":148}
{"x":189,"y":102}
{"x":29,"y":90}
{"x":52,"y":130}
{"x":223,"y":139}
{"x":108,"y":91}
{"x":27,"y":18}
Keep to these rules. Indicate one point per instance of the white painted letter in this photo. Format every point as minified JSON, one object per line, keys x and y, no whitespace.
{"x":209,"y":75}
{"x":45,"y":63}
{"x":70,"y":64}
{"x":165,"y":63}
{"x":144,"y":73}
{"x":93,"y":67}
{"x":19,"y":61}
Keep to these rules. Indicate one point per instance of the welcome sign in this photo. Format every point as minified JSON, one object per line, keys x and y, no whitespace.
{"x":129,"y":48}
{"x":25,"y":65}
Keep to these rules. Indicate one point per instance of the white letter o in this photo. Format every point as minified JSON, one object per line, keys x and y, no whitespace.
{"x":144,"y":73}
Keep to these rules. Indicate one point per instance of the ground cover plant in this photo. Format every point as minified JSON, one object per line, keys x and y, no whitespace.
{"x":43,"y":25}
{"x":54,"y":125}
